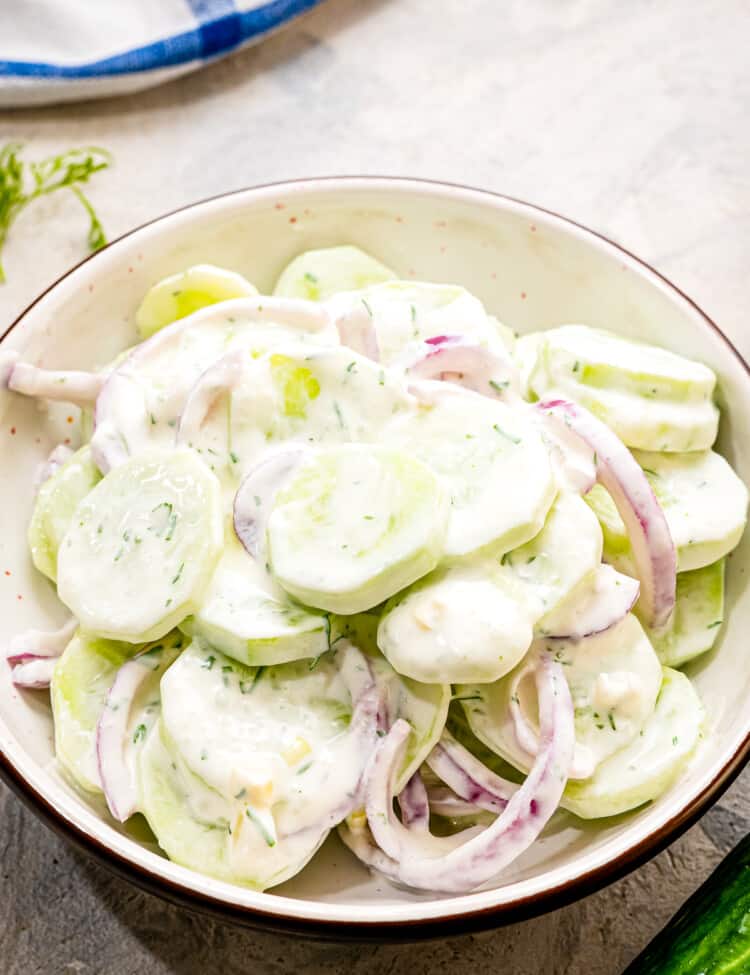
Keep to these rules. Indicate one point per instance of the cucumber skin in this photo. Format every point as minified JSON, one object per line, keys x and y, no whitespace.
{"x":710,"y":934}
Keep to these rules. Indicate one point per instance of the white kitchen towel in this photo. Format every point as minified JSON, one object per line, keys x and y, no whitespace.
{"x":68,"y":50}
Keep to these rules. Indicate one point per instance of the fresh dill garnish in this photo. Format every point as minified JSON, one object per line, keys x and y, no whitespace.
{"x":23,"y":182}
{"x":139,"y":734}
{"x":503,"y":433}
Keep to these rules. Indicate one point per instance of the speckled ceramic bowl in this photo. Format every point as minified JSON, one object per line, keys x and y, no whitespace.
{"x":532,"y":269}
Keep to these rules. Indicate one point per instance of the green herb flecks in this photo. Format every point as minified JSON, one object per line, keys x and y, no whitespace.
{"x":269,"y":838}
{"x":23,"y":182}
{"x":139,"y":734}
{"x":504,"y":433}
{"x":498,"y":386}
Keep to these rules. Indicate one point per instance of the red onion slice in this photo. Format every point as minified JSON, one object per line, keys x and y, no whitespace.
{"x":414,"y":804}
{"x":109,"y":445}
{"x":617,"y":470}
{"x":34,"y":673}
{"x":469,"y":779}
{"x":444,"y":802}
{"x":32,"y":655}
{"x":457,"y":359}
{"x":609,"y":599}
{"x":117,"y":779}
{"x":255,"y":496}
{"x":366,"y":696}
{"x":439,"y":865}
{"x":35,"y":644}
{"x":220,"y":378}
{"x":356,"y":330}
{"x":68,"y":386}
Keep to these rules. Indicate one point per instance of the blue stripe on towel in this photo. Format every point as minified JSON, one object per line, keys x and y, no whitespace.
{"x":220,"y":27}
{"x":227,"y":29}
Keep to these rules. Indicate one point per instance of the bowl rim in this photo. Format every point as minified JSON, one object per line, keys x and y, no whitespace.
{"x":400,"y":929}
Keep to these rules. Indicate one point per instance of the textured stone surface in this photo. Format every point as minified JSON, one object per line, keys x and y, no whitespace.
{"x":630,"y":118}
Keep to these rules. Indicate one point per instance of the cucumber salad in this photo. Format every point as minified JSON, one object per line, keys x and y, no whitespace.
{"x":351,"y":556}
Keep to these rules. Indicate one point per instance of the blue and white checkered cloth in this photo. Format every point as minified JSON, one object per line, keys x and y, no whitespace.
{"x":66,"y":50}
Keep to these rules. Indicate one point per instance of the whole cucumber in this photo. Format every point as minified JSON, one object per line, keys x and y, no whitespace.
{"x":710,"y":934}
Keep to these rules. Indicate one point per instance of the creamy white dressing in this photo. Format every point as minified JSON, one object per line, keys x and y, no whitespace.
{"x":354,"y":525}
{"x":404,"y":312}
{"x":142,"y":401}
{"x":449,"y":498}
{"x":614,"y":678}
{"x":459,"y":626}
{"x":491,"y":459}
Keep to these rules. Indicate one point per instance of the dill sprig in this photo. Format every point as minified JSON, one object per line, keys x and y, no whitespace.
{"x":23,"y":182}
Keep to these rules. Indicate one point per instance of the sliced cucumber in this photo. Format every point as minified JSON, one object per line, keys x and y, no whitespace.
{"x":317,"y":275}
{"x":328,"y":396}
{"x":491,"y":459}
{"x":645,"y":768}
{"x":559,"y":558}
{"x":80,"y":681}
{"x":458,"y":625}
{"x":296,"y":393}
{"x":614,"y":679}
{"x":182,"y":294}
{"x":143,"y":399}
{"x":249,"y":617}
{"x":150,"y":534}
{"x":354,"y":525}
{"x":404,"y":312}
{"x":228,"y":845}
{"x":651,"y":398}
{"x":697,"y":617}
{"x":703,"y":500}
{"x":55,"y":503}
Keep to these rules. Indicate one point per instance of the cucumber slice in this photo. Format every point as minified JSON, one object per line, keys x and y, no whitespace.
{"x":354,"y":525}
{"x":143,"y":399}
{"x":250,"y":618}
{"x":80,"y":682}
{"x":559,"y":558}
{"x":697,"y":616}
{"x":317,"y":275}
{"x":55,"y":504}
{"x":459,"y":625}
{"x":404,"y":312}
{"x":647,"y":767}
{"x":181,"y":294}
{"x":149,"y":534}
{"x":483,"y":451}
{"x":614,"y":679}
{"x":258,"y":728}
{"x":651,"y":398}
{"x":296,"y":393}
{"x":226,"y":845}
{"x":703,"y":500}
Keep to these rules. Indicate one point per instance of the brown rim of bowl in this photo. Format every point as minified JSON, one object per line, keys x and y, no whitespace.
{"x":405,"y":930}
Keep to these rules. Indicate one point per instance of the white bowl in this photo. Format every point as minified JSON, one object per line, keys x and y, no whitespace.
{"x":532,"y":269}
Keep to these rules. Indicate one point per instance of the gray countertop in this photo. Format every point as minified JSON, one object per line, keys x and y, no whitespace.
{"x":631,"y":118}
